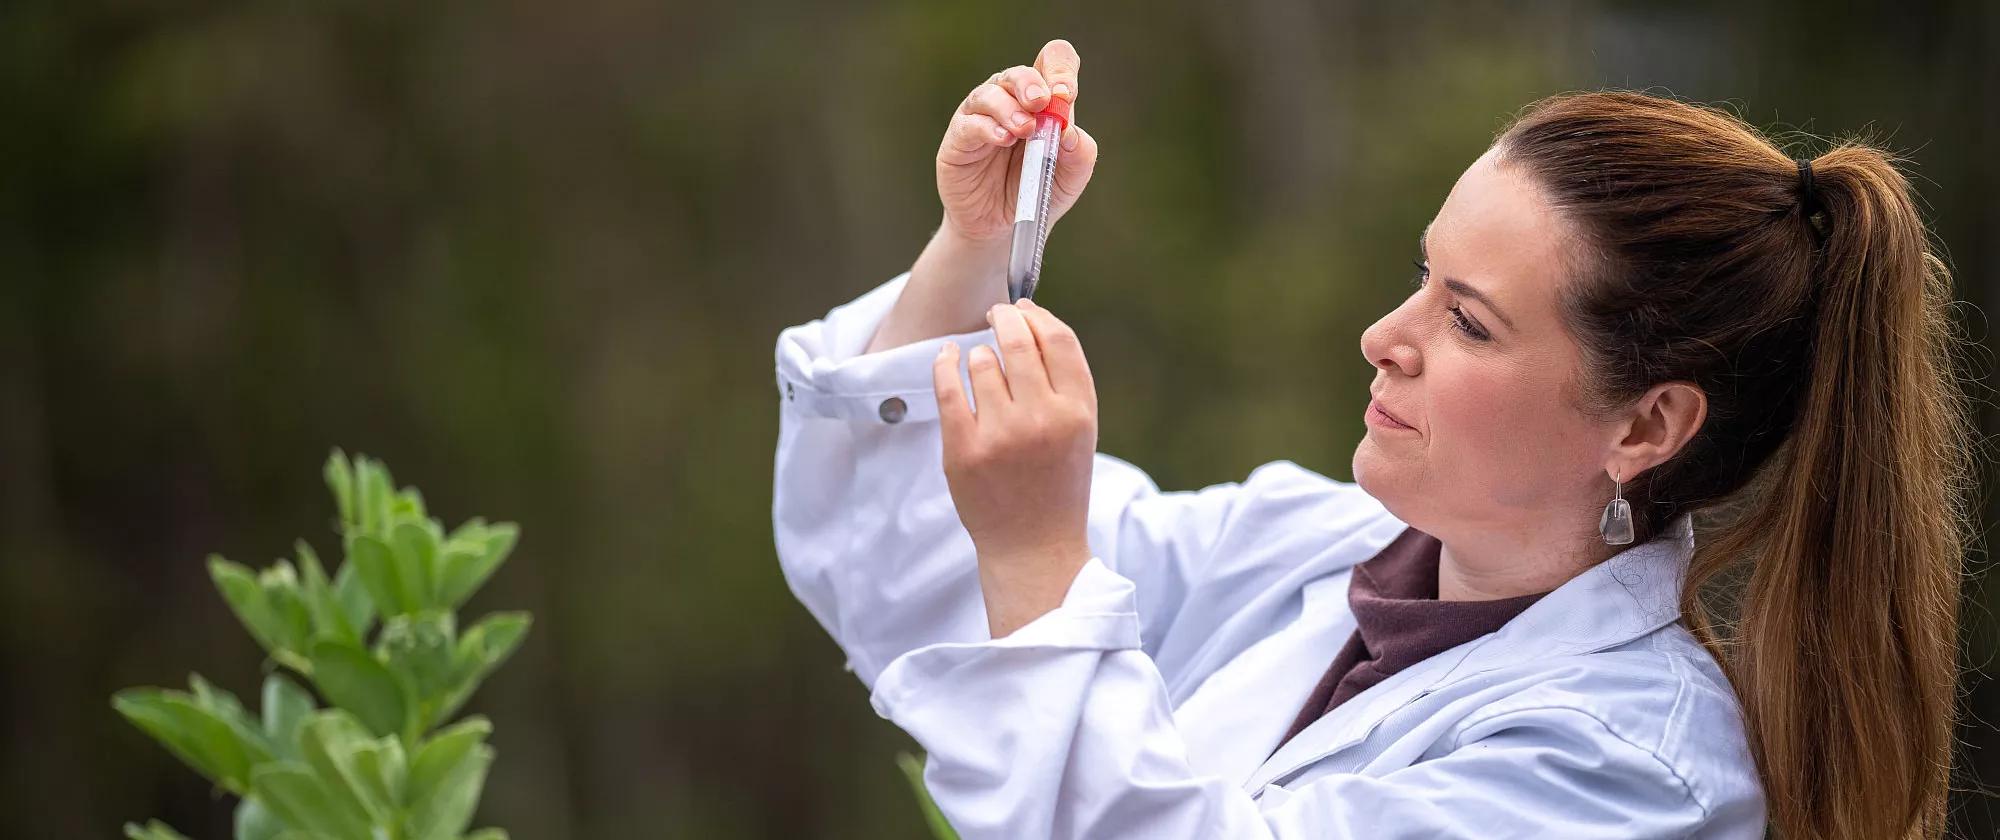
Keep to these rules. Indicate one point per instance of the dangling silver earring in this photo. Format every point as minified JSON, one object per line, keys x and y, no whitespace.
{"x":1616,"y":523}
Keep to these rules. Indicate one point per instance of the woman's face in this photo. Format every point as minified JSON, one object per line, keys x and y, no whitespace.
{"x":1497,"y":441}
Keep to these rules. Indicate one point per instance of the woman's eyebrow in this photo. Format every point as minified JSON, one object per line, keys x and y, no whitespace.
{"x":1460,"y":287}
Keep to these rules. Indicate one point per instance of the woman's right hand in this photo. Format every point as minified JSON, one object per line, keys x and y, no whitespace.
{"x":978,"y":164}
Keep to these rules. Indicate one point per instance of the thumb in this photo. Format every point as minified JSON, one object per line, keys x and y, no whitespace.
{"x":1074,"y":165}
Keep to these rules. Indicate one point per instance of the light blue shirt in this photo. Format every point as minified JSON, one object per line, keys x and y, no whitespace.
{"x":1148,"y":704}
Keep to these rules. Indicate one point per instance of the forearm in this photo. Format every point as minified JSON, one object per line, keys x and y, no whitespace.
{"x":952,"y":284}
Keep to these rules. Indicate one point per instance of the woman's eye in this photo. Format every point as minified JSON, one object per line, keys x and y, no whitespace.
{"x":1464,"y":325}
{"x":1458,"y":320}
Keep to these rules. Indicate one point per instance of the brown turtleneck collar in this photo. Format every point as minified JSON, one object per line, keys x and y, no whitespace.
{"x":1400,"y":622}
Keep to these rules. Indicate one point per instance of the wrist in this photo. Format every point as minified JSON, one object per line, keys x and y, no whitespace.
{"x":955,"y":237}
{"x":1021,"y":585}
{"x":958,"y":259}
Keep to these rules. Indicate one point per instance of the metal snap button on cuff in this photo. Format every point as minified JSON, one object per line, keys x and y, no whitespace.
{"x":893,"y":409}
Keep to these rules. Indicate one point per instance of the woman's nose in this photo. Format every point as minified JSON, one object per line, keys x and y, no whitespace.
{"x":1386,"y":347}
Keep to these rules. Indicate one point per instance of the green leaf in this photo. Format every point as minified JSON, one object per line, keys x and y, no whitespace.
{"x":152,"y":830}
{"x":469,"y":529}
{"x":501,"y":537}
{"x":409,"y":504}
{"x":247,"y":598}
{"x":288,"y":606}
{"x":207,"y":696}
{"x":378,"y":495}
{"x":365,"y":521}
{"x":443,"y":751}
{"x":300,"y":798}
{"x":913,"y":770}
{"x":356,"y":681}
{"x":480,"y":650}
{"x":446,"y":808}
{"x":417,"y":560}
{"x":148,"y":709}
{"x":198,"y":736}
{"x":460,"y":570}
{"x":340,"y":479}
{"x":385,"y":575}
{"x":286,"y":706}
{"x":328,"y":619}
{"x":224,"y":706}
{"x":329,"y":743}
{"x":256,"y":822}
{"x":351,"y":593}
{"x":384,"y":771}
{"x":471,"y":559}
{"x":493,"y":639}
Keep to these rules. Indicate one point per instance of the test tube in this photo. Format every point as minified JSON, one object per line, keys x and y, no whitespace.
{"x":1031,"y":206}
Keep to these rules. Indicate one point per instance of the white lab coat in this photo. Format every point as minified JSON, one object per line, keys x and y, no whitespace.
{"x":1147,"y":705}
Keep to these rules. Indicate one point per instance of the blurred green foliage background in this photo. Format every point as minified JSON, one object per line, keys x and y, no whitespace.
{"x":536,"y":256}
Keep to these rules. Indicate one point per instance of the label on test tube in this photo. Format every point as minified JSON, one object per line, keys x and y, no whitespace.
{"x":1031,"y":170}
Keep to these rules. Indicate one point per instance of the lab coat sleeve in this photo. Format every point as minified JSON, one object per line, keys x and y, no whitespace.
{"x":1063,"y":730}
{"x":864,"y":525}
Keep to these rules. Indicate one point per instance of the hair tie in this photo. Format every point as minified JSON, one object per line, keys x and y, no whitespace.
{"x":1808,"y":197}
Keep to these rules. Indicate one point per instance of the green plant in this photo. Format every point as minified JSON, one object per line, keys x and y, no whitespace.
{"x":913,"y":769}
{"x":374,"y":765}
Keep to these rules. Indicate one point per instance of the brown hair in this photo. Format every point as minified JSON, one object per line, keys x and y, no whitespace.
{"x":1837,"y":436}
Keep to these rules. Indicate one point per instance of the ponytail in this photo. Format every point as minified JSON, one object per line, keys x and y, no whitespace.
{"x":1845,"y":650}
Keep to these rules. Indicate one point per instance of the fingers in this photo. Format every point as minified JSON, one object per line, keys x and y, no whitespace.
{"x":1062,"y":354}
{"x":996,"y":102}
{"x":1059,"y":65}
{"x":1072,"y":136}
{"x":1009,"y":100}
{"x":989,"y":385}
{"x":973,"y":133}
{"x":954,"y":416}
{"x":1026,"y":84}
{"x":1025,"y":377}
{"x":1076,"y":163}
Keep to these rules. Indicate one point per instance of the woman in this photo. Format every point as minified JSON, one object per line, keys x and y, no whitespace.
{"x":1630,"y":310}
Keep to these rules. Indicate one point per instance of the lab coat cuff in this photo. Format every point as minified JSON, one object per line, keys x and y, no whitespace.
{"x":1098,"y":613}
{"x":822,"y":371}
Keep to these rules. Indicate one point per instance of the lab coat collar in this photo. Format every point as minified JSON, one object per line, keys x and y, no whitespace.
{"x":1634,"y":592}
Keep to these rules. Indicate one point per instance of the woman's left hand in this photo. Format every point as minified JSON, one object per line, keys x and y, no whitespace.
{"x":1019,"y":468}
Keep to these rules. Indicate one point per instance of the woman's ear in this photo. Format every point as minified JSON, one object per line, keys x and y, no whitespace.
{"x":1661,"y":422}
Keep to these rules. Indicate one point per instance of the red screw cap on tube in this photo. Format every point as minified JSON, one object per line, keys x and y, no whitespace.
{"x":1058,"y":107}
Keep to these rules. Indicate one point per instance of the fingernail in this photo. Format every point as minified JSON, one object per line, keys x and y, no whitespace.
{"x":1020,"y":118}
{"x":1035,"y":92}
{"x":1069,"y":139}
{"x":1061,"y":89}
{"x":999,"y":133}
{"x":949,"y":348}
{"x":1027,"y":302}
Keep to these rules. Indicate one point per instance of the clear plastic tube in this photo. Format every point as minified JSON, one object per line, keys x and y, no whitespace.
{"x":1031,"y":206}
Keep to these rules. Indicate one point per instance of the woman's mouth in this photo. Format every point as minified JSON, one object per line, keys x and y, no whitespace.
{"x":1375,"y":416}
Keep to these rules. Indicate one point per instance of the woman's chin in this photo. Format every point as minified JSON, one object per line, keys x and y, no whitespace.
{"x":1376,"y":471}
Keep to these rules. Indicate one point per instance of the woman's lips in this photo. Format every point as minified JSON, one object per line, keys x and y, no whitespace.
{"x":1375,"y":416}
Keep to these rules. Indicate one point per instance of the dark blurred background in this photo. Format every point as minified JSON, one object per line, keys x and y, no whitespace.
{"x":536,"y":256}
